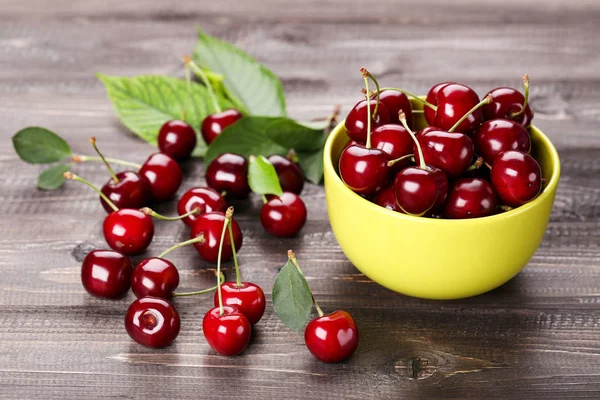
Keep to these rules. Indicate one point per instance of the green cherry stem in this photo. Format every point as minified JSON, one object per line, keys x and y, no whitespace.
{"x":402,"y":118}
{"x":292,"y":258}
{"x":487,"y":100}
{"x":392,"y":162}
{"x":207,"y":290}
{"x":198,"y":239}
{"x":228,"y":215}
{"x":365,"y":73}
{"x":414,"y":96}
{"x":202,"y":75}
{"x":476,"y":165}
{"x":238,"y":276}
{"x":71,"y":176}
{"x":368,"y":145}
{"x":110,"y":170}
{"x":79,"y":159}
{"x":525,"y":102}
{"x":154,"y":214}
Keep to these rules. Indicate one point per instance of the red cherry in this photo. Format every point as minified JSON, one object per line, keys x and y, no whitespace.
{"x":290,"y":175}
{"x":332,"y":338}
{"x":210,"y":226}
{"x":132,"y":191}
{"x":283,"y":216}
{"x":177,"y":139}
{"x":432,"y":99}
{"x":163,"y":174}
{"x":498,"y":135}
{"x":395,"y":102}
{"x":356,"y":121}
{"x":155,"y":277}
{"x":204,"y":199}
{"x":450,"y":152}
{"x":395,"y":141}
{"x":248,"y":298}
{"x":214,"y":124}
{"x":227,"y":334}
{"x":387,"y":199}
{"x":506,"y":102}
{"x":425,"y":130}
{"x":453,"y":101}
{"x":128,"y":231}
{"x":517,"y":177}
{"x":229,"y":173}
{"x":470,"y":198}
{"x":420,"y":191}
{"x":106,"y":273}
{"x":363,"y":170}
{"x":152,"y":322}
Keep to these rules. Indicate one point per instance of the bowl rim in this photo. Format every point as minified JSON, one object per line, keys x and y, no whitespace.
{"x":548,"y":190}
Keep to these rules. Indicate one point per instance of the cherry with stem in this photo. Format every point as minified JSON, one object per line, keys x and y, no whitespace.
{"x":526,"y":98}
{"x":487,"y":100}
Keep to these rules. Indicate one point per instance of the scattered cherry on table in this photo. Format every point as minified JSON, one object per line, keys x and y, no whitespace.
{"x":154,"y":277}
{"x":106,"y":273}
{"x":152,"y":322}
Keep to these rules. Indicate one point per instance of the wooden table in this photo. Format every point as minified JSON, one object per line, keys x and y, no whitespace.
{"x":537,"y":336}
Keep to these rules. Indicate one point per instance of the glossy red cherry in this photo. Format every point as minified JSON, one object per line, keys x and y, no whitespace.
{"x":395,"y":102}
{"x":204,"y":199}
{"x":214,"y":124}
{"x":163,"y":174}
{"x":332,"y":338}
{"x":290,"y":175}
{"x":152,"y":322}
{"x":209,"y":226}
{"x":420,"y":191}
{"x":106,"y":273}
{"x":356,"y":121}
{"x":155,"y":277}
{"x":432,"y":99}
{"x":517,"y":177}
{"x":128,"y":231}
{"x":450,"y":152}
{"x":427,"y":129}
{"x":453,"y":101}
{"x":505,"y":103}
{"x":132,"y":191}
{"x":470,"y":198}
{"x":395,"y":141}
{"x":363,"y":170}
{"x":227,"y":334}
{"x":498,"y":135}
{"x":177,"y":139}
{"x":248,"y":298}
{"x":283,"y":216}
{"x":387,"y":199}
{"x":229,"y":173}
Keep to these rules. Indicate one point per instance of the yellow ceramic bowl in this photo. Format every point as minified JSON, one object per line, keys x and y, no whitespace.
{"x":436,"y":258}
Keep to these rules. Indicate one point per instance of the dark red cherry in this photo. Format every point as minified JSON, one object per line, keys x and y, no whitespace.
{"x":356,"y":121}
{"x":163,"y":174}
{"x":453,"y":101}
{"x":214,"y":124}
{"x":248,"y":298}
{"x":395,"y":102}
{"x":290,"y":175}
{"x":517,"y":177}
{"x":506,"y":102}
{"x":470,"y":198}
{"x":177,"y":139}
{"x":386,"y":199}
{"x":229,"y":173}
{"x":227,"y":334}
{"x":152,"y":322}
{"x":420,"y":191}
{"x":425,"y":130}
{"x":106,"y":273}
{"x":128,"y":231}
{"x":154,"y":277}
{"x":132,"y":191}
{"x":498,"y":135}
{"x":450,"y":152}
{"x":332,"y":338}
{"x":283,"y":216}
{"x":395,"y":141}
{"x":210,"y":226}
{"x":363,"y":170}
{"x":204,"y":199}
{"x":432,"y":99}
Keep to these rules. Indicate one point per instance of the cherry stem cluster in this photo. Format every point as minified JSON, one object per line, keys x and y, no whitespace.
{"x":154,"y":214}
{"x":366,"y":74}
{"x":526,"y":100}
{"x":203,"y":291}
{"x":110,"y":170}
{"x":487,"y":100}
{"x":71,"y":176}
{"x":369,"y":117}
{"x":292,"y":258}
{"x":228,"y":216}
{"x":402,"y":118}
{"x":238,"y":276}
{"x":202,"y":75}
{"x":198,"y":239}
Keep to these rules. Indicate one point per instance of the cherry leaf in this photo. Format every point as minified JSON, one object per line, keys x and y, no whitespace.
{"x":262,"y":177}
{"x":52,"y":178}
{"x":37,"y":145}
{"x":292,"y":298}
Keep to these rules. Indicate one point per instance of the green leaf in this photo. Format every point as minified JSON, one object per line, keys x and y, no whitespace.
{"x":312,"y":165}
{"x":292,"y":299}
{"x":259,"y":89}
{"x":52,"y":178}
{"x":37,"y":145}
{"x":145,"y":103}
{"x":262,"y":177}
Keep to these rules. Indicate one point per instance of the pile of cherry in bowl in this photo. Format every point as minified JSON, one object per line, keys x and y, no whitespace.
{"x":473,"y":160}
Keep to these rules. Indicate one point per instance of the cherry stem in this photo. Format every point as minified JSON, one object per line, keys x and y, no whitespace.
{"x":71,"y":176}
{"x":526,"y":100}
{"x":402,"y":118}
{"x":228,"y":215}
{"x":476,"y":165}
{"x":238,"y":276}
{"x":368,"y":145}
{"x":80,"y":158}
{"x":264,"y":199}
{"x":292,"y":258}
{"x":487,"y":100}
{"x":392,"y":162}
{"x":202,"y":75}
{"x":198,"y":239}
{"x":365,"y":73}
{"x":414,"y":96}
{"x":203,"y":291}
{"x":110,"y":170}
{"x":154,"y":214}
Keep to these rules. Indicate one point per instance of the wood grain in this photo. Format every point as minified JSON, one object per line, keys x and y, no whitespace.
{"x":538,"y":336}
